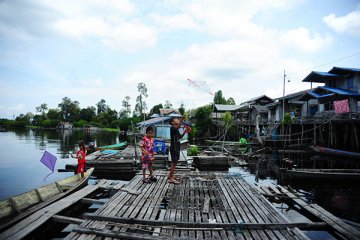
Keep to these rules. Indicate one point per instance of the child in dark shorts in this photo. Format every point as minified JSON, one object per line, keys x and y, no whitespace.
{"x":147,"y":149}
{"x":175,"y":145}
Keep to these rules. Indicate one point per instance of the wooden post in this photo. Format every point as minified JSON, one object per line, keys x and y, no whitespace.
{"x":314,"y":134}
{"x":257,"y":130}
{"x":356,"y":136}
{"x":321,"y":138}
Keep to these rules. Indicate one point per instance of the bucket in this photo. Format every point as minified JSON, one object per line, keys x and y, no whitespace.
{"x":159,"y":146}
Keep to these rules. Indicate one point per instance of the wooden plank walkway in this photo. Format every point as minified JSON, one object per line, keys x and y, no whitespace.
{"x":338,"y":226}
{"x":204,"y":206}
{"x":35,"y":220}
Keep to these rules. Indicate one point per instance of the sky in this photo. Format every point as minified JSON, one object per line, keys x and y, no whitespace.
{"x":88,"y":50}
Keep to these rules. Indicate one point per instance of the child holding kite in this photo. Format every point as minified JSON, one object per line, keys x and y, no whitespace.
{"x":81,"y":157}
{"x":175,"y":145}
{"x":147,"y":150}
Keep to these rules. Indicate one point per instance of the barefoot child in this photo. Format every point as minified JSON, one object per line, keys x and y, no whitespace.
{"x":147,"y":149}
{"x":81,"y":156}
{"x":175,"y":145}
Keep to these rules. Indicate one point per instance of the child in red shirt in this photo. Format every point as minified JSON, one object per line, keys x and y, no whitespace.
{"x":147,"y":149}
{"x":81,"y":156}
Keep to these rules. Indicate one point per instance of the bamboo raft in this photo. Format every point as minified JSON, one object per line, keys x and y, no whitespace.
{"x":203,"y":206}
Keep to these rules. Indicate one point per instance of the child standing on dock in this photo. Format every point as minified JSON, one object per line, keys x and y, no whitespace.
{"x":147,"y":150}
{"x":81,"y":157}
{"x":175,"y":145}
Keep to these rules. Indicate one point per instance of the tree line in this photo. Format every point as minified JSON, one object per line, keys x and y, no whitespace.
{"x":102,"y":115}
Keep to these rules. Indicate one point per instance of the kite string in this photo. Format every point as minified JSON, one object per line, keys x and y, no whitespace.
{"x":197,"y":85}
{"x":44,"y":180}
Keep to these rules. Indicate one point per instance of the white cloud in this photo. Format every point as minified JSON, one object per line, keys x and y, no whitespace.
{"x":130,"y":37}
{"x":349,"y":23}
{"x":82,"y":27}
{"x":302,"y":39}
{"x":175,"y":22}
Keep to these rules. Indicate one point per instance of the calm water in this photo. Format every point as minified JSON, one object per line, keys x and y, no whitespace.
{"x":21,"y":151}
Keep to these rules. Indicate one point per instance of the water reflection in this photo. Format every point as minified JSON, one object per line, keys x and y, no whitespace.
{"x":21,"y":150}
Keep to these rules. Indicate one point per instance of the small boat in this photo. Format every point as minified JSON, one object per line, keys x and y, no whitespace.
{"x":322,"y":174}
{"x":113,"y":146}
{"x":335,"y":152}
{"x":16,"y":208}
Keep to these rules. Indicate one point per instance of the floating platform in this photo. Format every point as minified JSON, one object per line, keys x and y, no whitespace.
{"x":216,"y":163}
{"x":205,"y":205}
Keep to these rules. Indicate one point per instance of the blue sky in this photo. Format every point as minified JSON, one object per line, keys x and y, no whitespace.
{"x":89,"y":50}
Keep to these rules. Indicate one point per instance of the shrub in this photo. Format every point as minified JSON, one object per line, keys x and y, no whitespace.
{"x":193,"y":150}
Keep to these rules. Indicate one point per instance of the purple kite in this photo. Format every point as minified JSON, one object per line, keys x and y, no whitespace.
{"x":48,"y":160}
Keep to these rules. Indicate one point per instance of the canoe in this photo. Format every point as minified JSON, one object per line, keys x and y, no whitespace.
{"x":322,"y":174}
{"x":18,"y":207}
{"x":335,"y":152}
{"x":113,"y":146}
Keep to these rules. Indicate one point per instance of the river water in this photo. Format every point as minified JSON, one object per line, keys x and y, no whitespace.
{"x":21,"y":169}
{"x":21,"y":151}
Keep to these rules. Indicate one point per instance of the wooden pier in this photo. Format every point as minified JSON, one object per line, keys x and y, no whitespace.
{"x":207,"y":205}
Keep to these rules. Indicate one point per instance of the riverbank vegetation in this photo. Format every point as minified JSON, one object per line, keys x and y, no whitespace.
{"x":104,"y":117}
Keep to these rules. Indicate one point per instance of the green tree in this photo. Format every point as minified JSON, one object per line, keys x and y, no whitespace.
{"x":182,"y":109}
{"x":227,"y":119}
{"x":218,"y":98}
{"x":204,"y":124}
{"x":230,"y":101}
{"x":140,"y":106}
{"x":42,"y":109}
{"x":126,"y":110}
{"x":168,"y":105}
{"x":69,"y":110}
{"x":53,"y":114}
{"x":156,"y":109}
{"x":23,"y":119}
{"x":88,"y":114}
{"x":107,"y":118}
{"x":101,"y":106}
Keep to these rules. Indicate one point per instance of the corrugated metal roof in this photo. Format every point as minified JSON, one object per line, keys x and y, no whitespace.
{"x":340,"y":91}
{"x":256,"y":98}
{"x":225,"y":108}
{"x":293,"y":95}
{"x":320,"y":77}
{"x":329,"y":92}
{"x":154,"y":121}
{"x":343,"y":71}
{"x":260,"y":108}
{"x":271,"y":105}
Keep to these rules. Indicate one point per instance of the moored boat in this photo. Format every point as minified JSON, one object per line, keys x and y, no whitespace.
{"x":335,"y":152}
{"x":18,"y":207}
{"x":322,"y":174}
{"x":113,"y":146}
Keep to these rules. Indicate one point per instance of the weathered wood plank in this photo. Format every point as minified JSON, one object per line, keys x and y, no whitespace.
{"x":313,"y":225}
{"x":68,"y":220}
{"x":29,"y":224}
{"x":335,"y":223}
{"x":93,"y":201}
